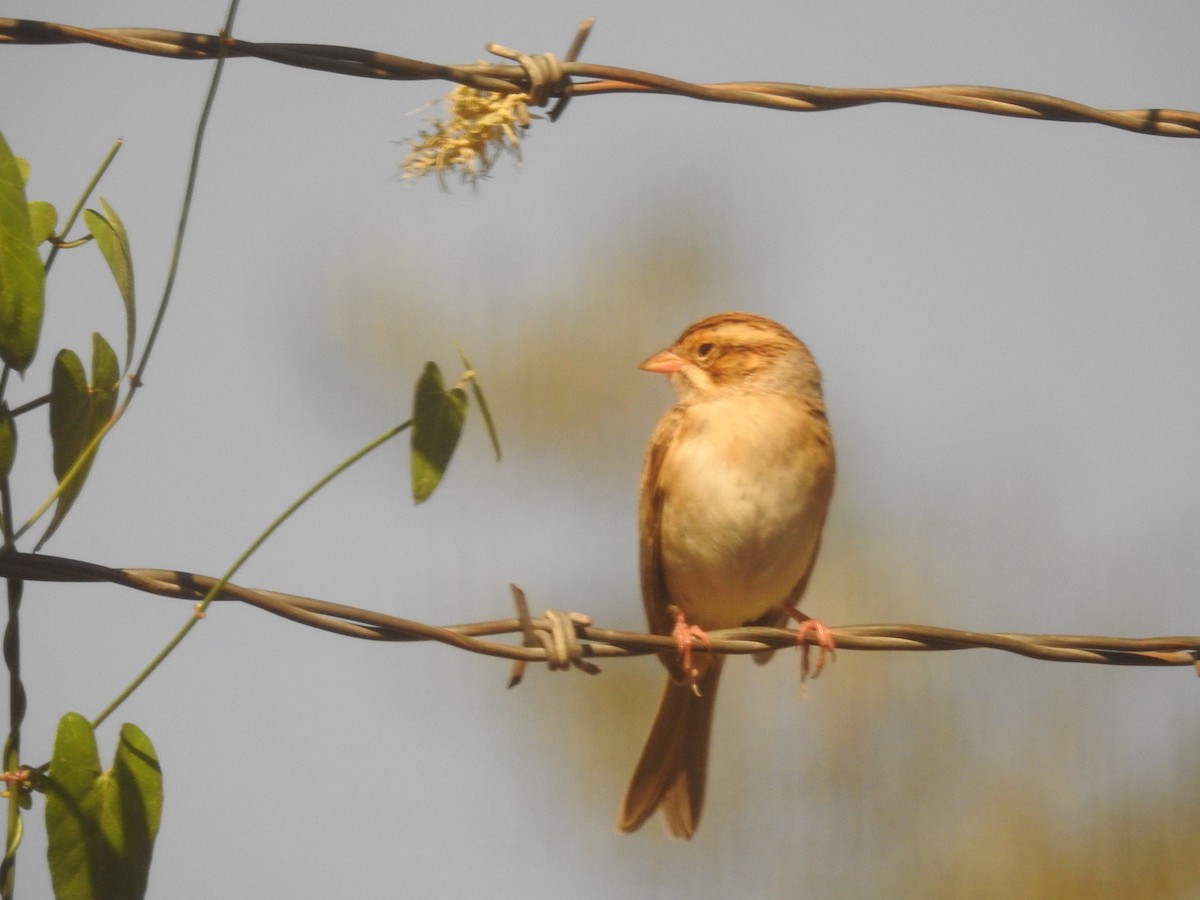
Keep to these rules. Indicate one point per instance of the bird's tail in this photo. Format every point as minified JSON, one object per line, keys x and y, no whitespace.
{"x":672,"y":768}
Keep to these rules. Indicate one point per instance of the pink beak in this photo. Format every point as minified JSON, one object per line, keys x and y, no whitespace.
{"x":665,"y":362}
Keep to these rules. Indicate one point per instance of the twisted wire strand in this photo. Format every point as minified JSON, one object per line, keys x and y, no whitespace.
{"x":569,"y":639}
{"x":557,"y":79}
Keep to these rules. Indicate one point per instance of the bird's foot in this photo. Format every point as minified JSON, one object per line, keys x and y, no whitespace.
{"x":685,"y":635}
{"x":824,"y":641}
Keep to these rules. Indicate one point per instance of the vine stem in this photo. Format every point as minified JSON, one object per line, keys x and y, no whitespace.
{"x":15,"y":587}
{"x":213,"y":592}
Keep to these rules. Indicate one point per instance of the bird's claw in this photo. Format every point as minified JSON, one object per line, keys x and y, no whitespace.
{"x":824,"y":640}
{"x":684,"y":635}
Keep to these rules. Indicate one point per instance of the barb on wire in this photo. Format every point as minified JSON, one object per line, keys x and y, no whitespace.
{"x":558,"y":635}
{"x":557,"y":78}
{"x":563,"y":640}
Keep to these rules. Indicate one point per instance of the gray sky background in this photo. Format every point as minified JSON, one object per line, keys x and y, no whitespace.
{"x":1007,"y":319}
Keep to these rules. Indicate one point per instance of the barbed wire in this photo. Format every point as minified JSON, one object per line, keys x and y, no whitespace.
{"x":545,"y":77}
{"x":564,"y":640}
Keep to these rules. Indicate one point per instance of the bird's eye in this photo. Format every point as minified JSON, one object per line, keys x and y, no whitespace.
{"x":704,"y":349}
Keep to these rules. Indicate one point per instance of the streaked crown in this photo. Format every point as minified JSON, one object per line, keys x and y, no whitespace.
{"x":739,"y":351}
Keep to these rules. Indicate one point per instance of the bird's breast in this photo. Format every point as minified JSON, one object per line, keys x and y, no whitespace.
{"x":746,"y":488}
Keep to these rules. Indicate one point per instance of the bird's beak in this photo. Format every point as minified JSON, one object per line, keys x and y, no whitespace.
{"x":665,"y":362}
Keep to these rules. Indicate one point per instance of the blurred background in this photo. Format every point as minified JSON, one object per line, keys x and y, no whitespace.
{"x":1006,"y":313}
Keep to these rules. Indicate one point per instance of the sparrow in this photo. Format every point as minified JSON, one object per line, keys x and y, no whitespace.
{"x":735,"y":487}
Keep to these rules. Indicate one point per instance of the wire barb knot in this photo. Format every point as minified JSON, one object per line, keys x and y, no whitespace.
{"x":543,"y":72}
{"x":561,"y":641}
{"x":556,"y":634}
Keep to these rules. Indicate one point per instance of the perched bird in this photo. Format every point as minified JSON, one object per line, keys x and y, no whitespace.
{"x":735,"y":487}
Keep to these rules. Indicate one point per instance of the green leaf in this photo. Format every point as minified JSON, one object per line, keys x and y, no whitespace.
{"x":113,"y":241}
{"x":438,"y":417}
{"x":70,"y":428}
{"x":106,"y":378}
{"x":101,"y":825}
{"x":477,"y":390}
{"x":8,"y":441}
{"x":8,"y":446}
{"x":22,"y":278}
{"x":78,"y":411}
{"x":42,"y":219}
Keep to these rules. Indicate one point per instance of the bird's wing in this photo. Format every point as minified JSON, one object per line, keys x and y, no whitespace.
{"x":655,"y":595}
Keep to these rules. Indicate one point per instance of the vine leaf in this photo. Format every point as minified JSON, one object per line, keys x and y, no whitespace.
{"x":113,"y":241}
{"x":101,"y":825}
{"x":477,"y":390}
{"x":43,"y":218}
{"x":22,"y":278}
{"x":78,"y":412}
{"x":8,"y":441}
{"x":438,"y":417}
{"x":8,"y":446}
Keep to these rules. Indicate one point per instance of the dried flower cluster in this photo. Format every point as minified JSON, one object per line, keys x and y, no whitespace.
{"x":482,"y":125}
